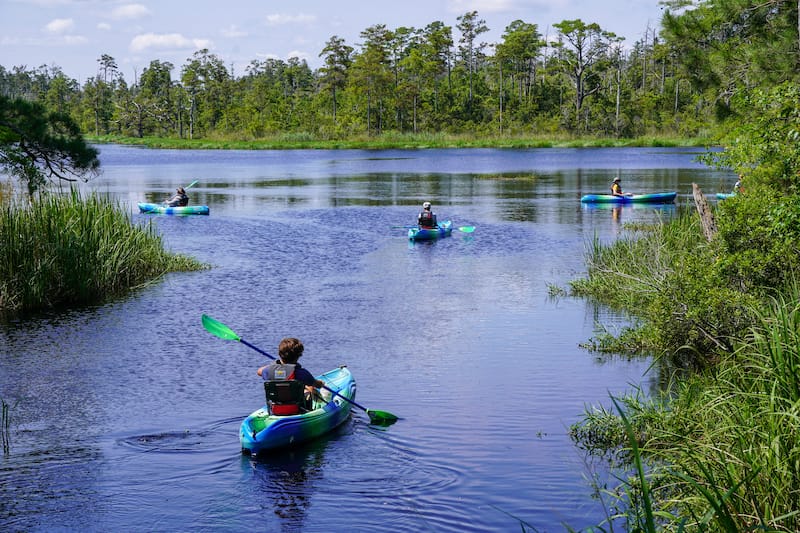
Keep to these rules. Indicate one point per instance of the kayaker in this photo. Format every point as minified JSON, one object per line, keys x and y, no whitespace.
{"x":427,"y":218}
{"x":616,"y":189}
{"x":180,"y":199}
{"x":287,"y":368}
{"x":737,"y":187}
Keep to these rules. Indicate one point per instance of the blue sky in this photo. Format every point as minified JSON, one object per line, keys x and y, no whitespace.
{"x":73,"y":34}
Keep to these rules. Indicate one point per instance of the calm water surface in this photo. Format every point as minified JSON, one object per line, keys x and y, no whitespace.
{"x":125,"y":416}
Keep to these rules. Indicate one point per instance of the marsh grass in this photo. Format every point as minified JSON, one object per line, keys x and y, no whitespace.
{"x":397,"y":140}
{"x":721,"y":449}
{"x":66,"y":250}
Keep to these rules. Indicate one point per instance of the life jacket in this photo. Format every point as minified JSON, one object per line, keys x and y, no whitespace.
{"x":285,"y":395}
{"x":616,"y":189}
{"x":426,"y":219}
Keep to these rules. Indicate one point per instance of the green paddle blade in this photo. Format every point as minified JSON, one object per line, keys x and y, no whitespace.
{"x":381,"y":418}
{"x":466,"y":229}
{"x":192,"y":184}
{"x":219,"y":329}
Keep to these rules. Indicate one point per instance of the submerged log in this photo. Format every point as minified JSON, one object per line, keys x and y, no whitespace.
{"x":706,"y":216}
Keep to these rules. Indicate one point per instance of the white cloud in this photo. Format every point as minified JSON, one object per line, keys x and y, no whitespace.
{"x":278,"y":19}
{"x":481,"y":6}
{"x":233,"y":32}
{"x":59,"y":25}
{"x":130,"y":11}
{"x":104,"y":26}
{"x":298,"y":54}
{"x":73,"y":40}
{"x":166,"y":41}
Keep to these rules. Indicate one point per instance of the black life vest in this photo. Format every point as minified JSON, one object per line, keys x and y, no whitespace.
{"x":283,"y":399}
{"x":426,"y":219}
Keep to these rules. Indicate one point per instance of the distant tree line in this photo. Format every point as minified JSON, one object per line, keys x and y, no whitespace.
{"x":580,"y":80}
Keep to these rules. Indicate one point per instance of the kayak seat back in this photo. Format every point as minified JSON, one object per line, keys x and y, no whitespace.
{"x":285,"y":397}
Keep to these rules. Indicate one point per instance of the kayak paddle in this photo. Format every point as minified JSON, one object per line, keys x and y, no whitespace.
{"x":218,"y":329}
{"x":192,"y":184}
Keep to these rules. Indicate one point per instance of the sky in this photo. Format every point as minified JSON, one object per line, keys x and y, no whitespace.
{"x":73,"y":34}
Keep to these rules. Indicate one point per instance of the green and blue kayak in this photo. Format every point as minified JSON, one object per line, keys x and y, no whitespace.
{"x":653,"y":198}
{"x":724,"y":195}
{"x":262,"y":431}
{"x":443,"y":229}
{"x":166,"y":210}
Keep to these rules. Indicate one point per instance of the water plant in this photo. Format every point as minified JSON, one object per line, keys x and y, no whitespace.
{"x":5,"y":426}
{"x":70,"y":249}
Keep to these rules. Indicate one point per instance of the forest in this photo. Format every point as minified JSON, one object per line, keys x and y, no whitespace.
{"x":581,"y":80}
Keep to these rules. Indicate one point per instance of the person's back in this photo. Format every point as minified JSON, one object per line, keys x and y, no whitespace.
{"x":427,"y":218}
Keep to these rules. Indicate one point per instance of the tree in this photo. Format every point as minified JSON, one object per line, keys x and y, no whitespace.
{"x":36,"y":146}
{"x":337,"y":58}
{"x":471,"y":52}
{"x":582,"y":58}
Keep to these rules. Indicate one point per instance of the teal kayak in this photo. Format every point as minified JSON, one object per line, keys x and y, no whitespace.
{"x":424,"y":234}
{"x":166,"y":210}
{"x":653,"y":198}
{"x":262,"y":431}
{"x":723,"y":195}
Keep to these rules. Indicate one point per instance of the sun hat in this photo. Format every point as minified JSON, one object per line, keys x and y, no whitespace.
{"x":616,"y":179}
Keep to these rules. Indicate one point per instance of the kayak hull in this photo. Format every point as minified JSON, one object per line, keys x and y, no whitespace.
{"x":261,"y":431}
{"x":653,"y":198}
{"x":422,"y":234}
{"x":165,"y":210}
{"x":724,"y":195}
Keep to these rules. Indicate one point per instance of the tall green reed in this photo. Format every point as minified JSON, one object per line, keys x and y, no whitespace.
{"x":60,"y":250}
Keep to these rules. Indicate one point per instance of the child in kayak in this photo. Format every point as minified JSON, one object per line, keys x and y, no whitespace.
{"x":427,"y":218}
{"x":288,"y":369}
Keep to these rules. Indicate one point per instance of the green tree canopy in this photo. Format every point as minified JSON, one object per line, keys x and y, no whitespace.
{"x":37,"y":146}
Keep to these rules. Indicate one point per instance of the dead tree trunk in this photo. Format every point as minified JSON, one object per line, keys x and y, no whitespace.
{"x":706,"y":216}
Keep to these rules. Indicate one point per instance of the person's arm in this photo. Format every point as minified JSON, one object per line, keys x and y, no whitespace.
{"x":260,"y":371}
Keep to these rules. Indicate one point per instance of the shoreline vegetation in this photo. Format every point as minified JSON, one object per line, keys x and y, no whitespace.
{"x":400,"y":141}
{"x":715,"y":296}
{"x":67,"y":250}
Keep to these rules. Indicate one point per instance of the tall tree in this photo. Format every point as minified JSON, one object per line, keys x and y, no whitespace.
{"x":582,"y":56}
{"x":333,"y":74}
{"x":471,"y":52}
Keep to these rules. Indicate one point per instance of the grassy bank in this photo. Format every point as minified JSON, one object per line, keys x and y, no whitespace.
{"x":67,"y":250}
{"x":721,"y":449}
{"x":398,"y":141}
{"x":720,"y":445}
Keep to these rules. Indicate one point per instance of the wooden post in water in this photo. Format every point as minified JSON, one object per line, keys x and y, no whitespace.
{"x":706,"y":216}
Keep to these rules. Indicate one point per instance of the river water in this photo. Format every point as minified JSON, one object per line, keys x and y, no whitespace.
{"x":125,"y":416}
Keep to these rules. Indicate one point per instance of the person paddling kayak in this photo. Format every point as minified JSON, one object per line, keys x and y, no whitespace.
{"x":286,"y":368}
{"x":180,"y":199}
{"x":616,"y":188}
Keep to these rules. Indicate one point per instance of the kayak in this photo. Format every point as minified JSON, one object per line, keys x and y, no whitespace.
{"x":653,"y":198}
{"x":262,"y":431}
{"x":423,"y":234}
{"x":165,"y":210}
{"x":723,"y":195}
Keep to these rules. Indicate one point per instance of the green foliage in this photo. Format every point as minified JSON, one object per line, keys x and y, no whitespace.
{"x":36,"y":145}
{"x":66,"y":250}
{"x":723,"y":446}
